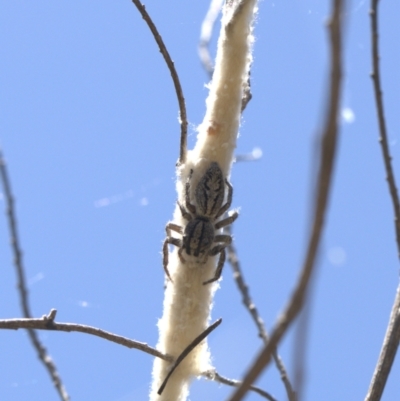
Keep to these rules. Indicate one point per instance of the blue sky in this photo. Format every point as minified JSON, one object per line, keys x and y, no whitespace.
{"x":88,"y":125}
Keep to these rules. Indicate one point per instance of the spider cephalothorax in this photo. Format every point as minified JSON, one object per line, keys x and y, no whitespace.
{"x":198,"y":237}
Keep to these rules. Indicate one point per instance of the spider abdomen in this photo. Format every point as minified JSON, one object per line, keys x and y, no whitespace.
{"x":198,"y":237}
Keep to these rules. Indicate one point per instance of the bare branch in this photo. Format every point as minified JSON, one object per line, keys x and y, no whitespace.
{"x":22,"y":289}
{"x":187,"y":351}
{"x":48,"y":323}
{"x":175,"y":79}
{"x":387,"y":158}
{"x":388,"y":353}
{"x":214,"y":376}
{"x":251,"y":307}
{"x":392,"y":336}
{"x":327,"y":157}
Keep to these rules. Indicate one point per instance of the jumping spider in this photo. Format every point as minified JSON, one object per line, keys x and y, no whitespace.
{"x":199,"y":235}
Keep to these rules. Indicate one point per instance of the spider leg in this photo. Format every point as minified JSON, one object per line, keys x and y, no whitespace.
{"x":226,"y":239}
{"x":189,"y":206}
{"x":226,"y":222}
{"x":184,"y":212}
{"x":220,"y":265}
{"x":217,"y":249}
{"x":181,"y":258}
{"x":228,"y":203}
{"x":173,"y":241}
{"x":173,"y":227}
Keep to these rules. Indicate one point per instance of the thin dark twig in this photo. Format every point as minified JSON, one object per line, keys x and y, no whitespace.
{"x":214,"y":376}
{"x":387,"y":158}
{"x":327,"y":157}
{"x":376,"y":79}
{"x":187,"y":351}
{"x":22,"y":289}
{"x":251,"y":307}
{"x":392,"y":335}
{"x":387,"y":354}
{"x":175,"y":79}
{"x":48,"y":323}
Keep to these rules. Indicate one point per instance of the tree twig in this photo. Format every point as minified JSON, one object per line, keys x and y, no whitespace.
{"x":175,"y":79}
{"x":251,"y":307}
{"x":376,"y":79}
{"x":47,"y":322}
{"x":214,"y":376}
{"x":387,"y":354}
{"x":392,"y":335}
{"x":187,"y":351}
{"x":22,"y":289}
{"x":327,"y":157}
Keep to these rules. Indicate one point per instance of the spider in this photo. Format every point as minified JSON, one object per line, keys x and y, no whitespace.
{"x":198,"y":236}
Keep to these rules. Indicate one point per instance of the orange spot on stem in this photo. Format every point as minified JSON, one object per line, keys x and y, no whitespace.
{"x":213,"y":128}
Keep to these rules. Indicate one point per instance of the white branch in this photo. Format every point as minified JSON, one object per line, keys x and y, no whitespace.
{"x":187,"y":302}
